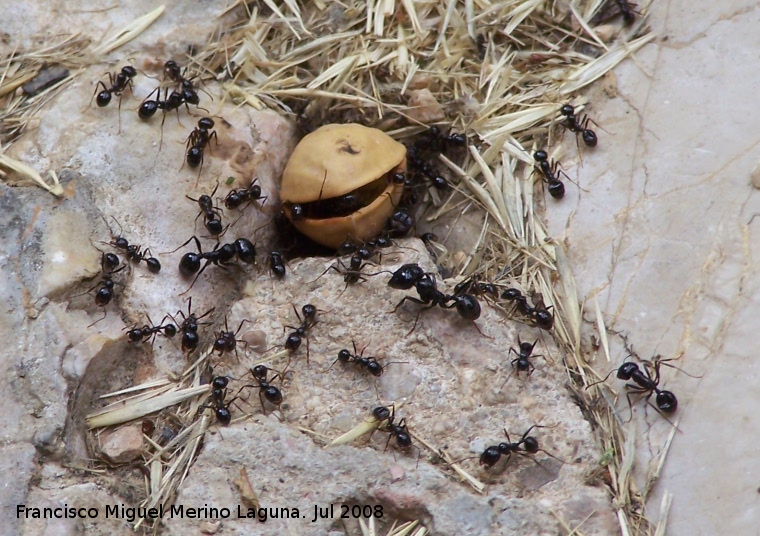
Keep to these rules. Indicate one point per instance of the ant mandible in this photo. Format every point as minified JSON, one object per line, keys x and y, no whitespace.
{"x":579,"y":125}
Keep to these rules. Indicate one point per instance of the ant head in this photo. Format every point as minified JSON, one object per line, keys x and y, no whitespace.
{"x":260,"y":372}
{"x":626,"y":370}
{"x":208,"y":124}
{"x":540,"y":156}
{"x":526,"y":347}
{"x":382,"y":413}
{"x":567,"y":110}
{"x":511,"y":294}
{"x":490,"y":456}
{"x":530,"y":444}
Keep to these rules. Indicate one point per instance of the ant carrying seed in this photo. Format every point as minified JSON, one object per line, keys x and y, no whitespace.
{"x":198,"y":140}
{"x":267,"y":391}
{"x":226,"y":340}
{"x":551,"y":175}
{"x":138,"y":334}
{"x":579,"y":125}
{"x":212,"y":216}
{"x":370,"y":364}
{"x":133,"y":253}
{"x":398,"y":430}
{"x":189,"y":327}
{"x":240,"y":196}
{"x":526,"y":446}
{"x":295,"y":338}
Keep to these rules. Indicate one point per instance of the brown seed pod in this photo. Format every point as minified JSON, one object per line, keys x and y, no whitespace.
{"x":339,"y":183}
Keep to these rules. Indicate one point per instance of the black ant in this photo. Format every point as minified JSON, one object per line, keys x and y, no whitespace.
{"x":172,"y":101}
{"x":522,"y":362}
{"x":472,"y":286}
{"x":197,"y":141}
{"x":352,"y":274}
{"x":134,"y":253}
{"x":400,"y":223}
{"x":104,"y":294}
{"x":629,"y":15}
{"x":526,"y":446}
{"x":624,"y":9}
{"x":309,"y":320}
{"x":369,"y":363}
{"x":174,"y":72}
{"x":189,"y":327}
{"x":579,"y":125}
{"x":397,"y":430}
{"x":550,"y":173}
{"x":218,"y":392}
{"x":119,"y":83}
{"x":267,"y":391}
{"x":239,"y":196}
{"x":226,"y":340}
{"x":466,"y":305}
{"x":540,"y":315}
{"x":109,"y":262}
{"x":190,"y":263}
{"x":277,"y":264}
{"x":646,"y":381}
{"x":212,"y":219}
{"x":138,"y":334}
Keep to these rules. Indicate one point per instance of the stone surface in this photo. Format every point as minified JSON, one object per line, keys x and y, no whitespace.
{"x":123,"y":445}
{"x":660,"y":236}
